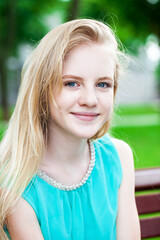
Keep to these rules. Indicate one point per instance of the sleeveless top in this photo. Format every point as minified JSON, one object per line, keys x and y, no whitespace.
{"x":88,"y":212}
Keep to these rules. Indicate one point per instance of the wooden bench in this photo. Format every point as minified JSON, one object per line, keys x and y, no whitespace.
{"x":148,"y":179}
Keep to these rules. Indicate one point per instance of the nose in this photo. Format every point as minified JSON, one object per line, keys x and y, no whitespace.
{"x":88,"y":97}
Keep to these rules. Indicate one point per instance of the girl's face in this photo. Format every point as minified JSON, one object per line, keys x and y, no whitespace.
{"x":86,"y":99}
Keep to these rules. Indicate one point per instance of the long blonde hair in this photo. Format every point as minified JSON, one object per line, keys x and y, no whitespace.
{"x":22,"y":147}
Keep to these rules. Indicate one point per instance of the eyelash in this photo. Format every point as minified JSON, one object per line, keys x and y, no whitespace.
{"x":107,"y":85}
{"x":70,"y":82}
{"x":67,"y":84}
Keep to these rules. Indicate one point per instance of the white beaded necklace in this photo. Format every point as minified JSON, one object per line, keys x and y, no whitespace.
{"x":62,"y":186}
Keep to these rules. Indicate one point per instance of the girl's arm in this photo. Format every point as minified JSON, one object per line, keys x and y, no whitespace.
{"x":128,"y":226}
{"x":22,"y":224}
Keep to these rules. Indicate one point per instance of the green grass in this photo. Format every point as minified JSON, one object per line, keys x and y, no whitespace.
{"x":2,"y":128}
{"x":11,"y":109}
{"x":156,"y":238}
{"x":136,"y":110}
{"x":144,"y":141}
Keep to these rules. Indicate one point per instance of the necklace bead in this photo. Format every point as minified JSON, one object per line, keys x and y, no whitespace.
{"x":62,"y":186}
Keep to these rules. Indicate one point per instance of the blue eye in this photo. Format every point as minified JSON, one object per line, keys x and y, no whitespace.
{"x":71,"y":84}
{"x":103,"y":85}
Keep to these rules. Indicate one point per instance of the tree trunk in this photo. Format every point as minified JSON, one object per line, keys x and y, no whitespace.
{"x":74,"y":9}
{"x":8,"y":42}
{"x":3,"y":88}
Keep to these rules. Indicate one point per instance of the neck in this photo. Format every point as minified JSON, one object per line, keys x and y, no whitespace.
{"x":66,"y":149}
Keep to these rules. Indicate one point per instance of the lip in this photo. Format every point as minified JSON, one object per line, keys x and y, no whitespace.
{"x":85,"y":116}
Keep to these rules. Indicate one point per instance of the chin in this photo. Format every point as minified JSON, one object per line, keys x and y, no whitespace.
{"x":86,"y":135}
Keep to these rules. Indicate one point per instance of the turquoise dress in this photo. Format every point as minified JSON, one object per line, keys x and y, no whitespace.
{"x":86,"y":213}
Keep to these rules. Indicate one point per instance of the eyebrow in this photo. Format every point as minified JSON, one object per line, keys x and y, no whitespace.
{"x":72,"y":76}
{"x":80,"y":78}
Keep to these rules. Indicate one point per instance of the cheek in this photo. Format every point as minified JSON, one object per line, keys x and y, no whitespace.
{"x":65,"y":101}
{"x":107,"y":101}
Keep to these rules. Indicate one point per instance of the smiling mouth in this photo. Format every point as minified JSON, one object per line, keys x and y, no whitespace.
{"x":86,"y":116}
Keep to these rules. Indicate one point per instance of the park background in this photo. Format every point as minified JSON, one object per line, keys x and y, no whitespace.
{"x":136,"y":118}
{"x":136,"y":23}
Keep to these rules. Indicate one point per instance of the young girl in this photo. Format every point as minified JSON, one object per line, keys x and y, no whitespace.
{"x":61,"y":176}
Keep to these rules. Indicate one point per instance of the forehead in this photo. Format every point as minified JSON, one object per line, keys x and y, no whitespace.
{"x":92,"y":60}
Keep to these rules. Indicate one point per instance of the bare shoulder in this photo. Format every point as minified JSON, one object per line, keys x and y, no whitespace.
{"x":125,"y":153}
{"x":122,"y":146}
{"x":127,"y":219}
{"x":127,"y":162}
{"x":22,"y":223}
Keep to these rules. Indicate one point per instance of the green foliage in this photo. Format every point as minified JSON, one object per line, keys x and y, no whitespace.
{"x":132,"y":20}
{"x":22,"y":21}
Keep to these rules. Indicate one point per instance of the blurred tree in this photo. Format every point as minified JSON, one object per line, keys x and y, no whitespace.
{"x":21,"y":21}
{"x":73,"y":11}
{"x":133,"y":20}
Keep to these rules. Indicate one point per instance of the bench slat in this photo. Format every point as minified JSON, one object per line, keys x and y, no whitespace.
{"x":147,"y":179}
{"x":148,"y":203}
{"x":150,"y":227}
